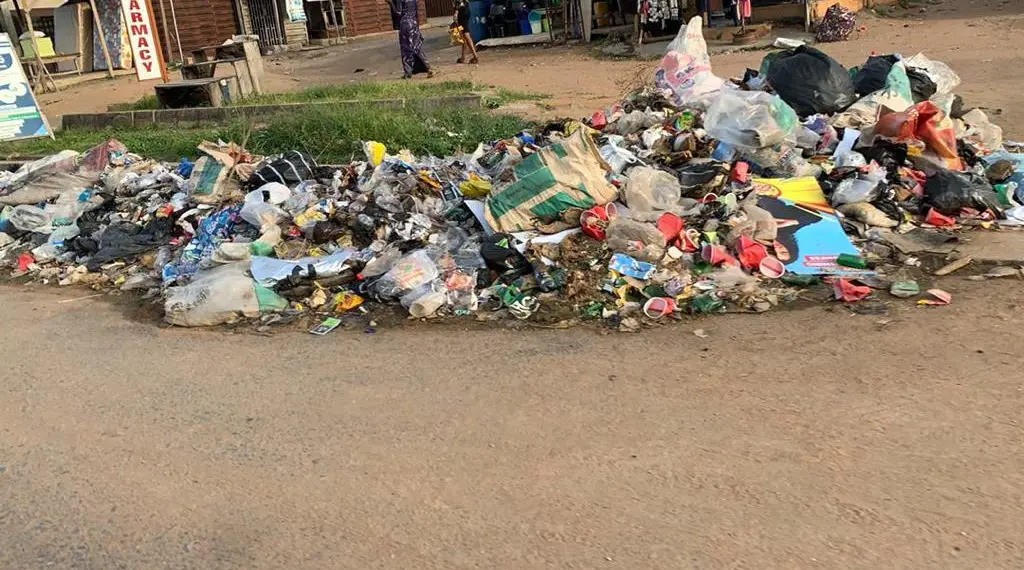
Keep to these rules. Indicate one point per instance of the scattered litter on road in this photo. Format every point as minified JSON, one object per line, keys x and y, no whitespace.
{"x":954,"y":266}
{"x":938,"y":297}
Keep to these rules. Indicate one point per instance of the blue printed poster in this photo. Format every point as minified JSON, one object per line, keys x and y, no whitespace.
{"x":20,"y":117}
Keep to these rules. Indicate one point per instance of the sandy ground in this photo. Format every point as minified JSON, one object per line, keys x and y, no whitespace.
{"x":809,"y":438}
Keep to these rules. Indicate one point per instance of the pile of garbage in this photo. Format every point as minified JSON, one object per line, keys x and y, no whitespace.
{"x":699,"y":195}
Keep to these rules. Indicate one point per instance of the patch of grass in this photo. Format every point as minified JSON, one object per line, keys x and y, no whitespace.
{"x":146,"y":103}
{"x":329,"y":135}
{"x":500,"y":96}
{"x":494,"y":96}
{"x":367,"y":91}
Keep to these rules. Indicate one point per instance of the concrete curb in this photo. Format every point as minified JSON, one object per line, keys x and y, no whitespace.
{"x":198,"y":115}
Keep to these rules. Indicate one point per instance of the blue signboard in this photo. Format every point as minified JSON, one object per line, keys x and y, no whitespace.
{"x":20,"y":117}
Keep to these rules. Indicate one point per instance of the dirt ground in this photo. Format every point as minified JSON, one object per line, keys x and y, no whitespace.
{"x":812,"y":438}
{"x":809,"y":438}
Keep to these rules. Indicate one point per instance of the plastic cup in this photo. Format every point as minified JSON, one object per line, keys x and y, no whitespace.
{"x":657,"y":307}
{"x":772,"y":268}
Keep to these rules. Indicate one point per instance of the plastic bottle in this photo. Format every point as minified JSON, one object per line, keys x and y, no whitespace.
{"x":852,"y":261}
{"x":545,"y":282}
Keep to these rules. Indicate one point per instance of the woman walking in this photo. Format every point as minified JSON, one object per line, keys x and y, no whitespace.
{"x":461,"y":25}
{"x":410,"y":39}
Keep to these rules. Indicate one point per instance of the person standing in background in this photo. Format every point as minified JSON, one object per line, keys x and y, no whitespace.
{"x":461,"y":24}
{"x":410,"y":38}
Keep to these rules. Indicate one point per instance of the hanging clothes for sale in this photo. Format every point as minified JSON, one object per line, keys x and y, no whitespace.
{"x":659,"y":11}
{"x":745,"y":9}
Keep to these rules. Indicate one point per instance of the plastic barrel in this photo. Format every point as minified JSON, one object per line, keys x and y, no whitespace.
{"x":536,"y":17}
{"x":477,"y":19}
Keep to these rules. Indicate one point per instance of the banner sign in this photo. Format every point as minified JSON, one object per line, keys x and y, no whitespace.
{"x":20,"y":117}
{"x":296,"y":11}
{"x":142,"y":34}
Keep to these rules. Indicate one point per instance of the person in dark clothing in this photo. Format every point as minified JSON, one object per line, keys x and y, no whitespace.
{"x":410,"y":38}
{"x":461,"y":24}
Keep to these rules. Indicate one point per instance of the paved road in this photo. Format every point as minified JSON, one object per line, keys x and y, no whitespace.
{"x":808,"y":438}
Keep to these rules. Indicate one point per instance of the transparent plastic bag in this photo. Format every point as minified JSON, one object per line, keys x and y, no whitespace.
{"x":853,"y":190}
{"x":640,"y":240}
{"x":414,"y":270}
{"x":750,"y":119}
{"x":651,"y":190}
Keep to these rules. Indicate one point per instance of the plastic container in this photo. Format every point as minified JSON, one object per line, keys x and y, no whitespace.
{"x":536,"y":17}
{"x":478,"y":20}
{"x":524,"y":24}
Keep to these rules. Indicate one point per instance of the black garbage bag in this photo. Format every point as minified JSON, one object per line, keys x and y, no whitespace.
{"x":872,"y":75}
{"x":949,"y":192}
{"x":500,"y":254}
{"x":289,"y":169}
{"x":921,"y":86}
{"x":125,"y":240}
{"x":811,"y":82}
{"x":889,"y":155}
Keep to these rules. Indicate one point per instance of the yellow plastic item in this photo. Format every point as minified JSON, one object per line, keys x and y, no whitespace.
{"x":375,"y":152}
{"x":475,"y":188}
{"x":346,"y":301}
{"x":45,"y":48}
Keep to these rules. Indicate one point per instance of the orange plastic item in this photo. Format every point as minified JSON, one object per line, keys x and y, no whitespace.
{"x":927,"y":123}
{"x":939,"y":298}
{"x":750,"y":252}
{"x":939,"y":220}
{"x":671,"y":226}
{"x":847,"y":292}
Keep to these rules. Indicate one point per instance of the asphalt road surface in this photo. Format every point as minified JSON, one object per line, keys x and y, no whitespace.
{"x":809,"y":438}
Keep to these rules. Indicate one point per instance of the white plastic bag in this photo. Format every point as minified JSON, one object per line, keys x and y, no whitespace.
{"x":617,"y":157}
{"x":685,"y":70}
{"x":981,"y":131}
{"x":945,"y":79}
{"x":30,"y":219}
{"x":260,"y":206}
